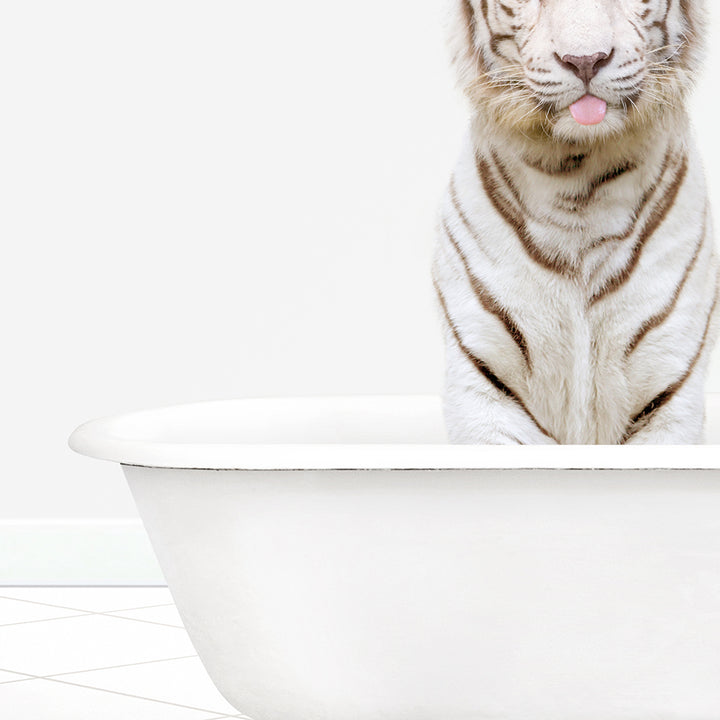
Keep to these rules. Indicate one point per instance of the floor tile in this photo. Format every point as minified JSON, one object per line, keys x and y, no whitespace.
{"x":163,"y":614}
{"x":132,"y":661}
{"x":86,"y":643}
{"x":93,"y":599}
{"x":182,"y":681}
{"x":52,"y":700}
{"x":19,"y":611}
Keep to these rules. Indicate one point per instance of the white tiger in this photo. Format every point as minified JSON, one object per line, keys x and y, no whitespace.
{"x":575,"y":267}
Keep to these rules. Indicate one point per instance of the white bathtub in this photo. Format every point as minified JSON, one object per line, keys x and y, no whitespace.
{"x":332,"y":559}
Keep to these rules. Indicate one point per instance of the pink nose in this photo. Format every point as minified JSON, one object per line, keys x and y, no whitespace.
{"x":586,"y":67}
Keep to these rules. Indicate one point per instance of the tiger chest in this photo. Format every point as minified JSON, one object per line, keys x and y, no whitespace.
{"x":579,"y":380}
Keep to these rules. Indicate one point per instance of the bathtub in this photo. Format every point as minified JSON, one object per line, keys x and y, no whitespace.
{"x":334,"y":559}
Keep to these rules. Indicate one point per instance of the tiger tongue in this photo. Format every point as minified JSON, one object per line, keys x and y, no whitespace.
{"x":589,"y":110}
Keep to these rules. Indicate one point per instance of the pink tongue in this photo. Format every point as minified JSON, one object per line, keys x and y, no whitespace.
{"x":589,"y":110}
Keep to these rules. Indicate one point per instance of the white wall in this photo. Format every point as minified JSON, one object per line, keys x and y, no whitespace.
{"x":204,"y":200}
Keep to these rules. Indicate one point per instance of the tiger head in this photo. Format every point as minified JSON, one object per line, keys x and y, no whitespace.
{"x":576,"y":70}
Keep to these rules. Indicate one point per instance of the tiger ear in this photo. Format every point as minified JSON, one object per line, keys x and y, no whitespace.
{"x":464,"y":41}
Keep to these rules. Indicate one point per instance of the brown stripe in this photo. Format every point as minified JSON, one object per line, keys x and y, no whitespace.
{"x":687,"y":15}
{"x":475,"y":52}
{"x":656,"y":218}
{"x":566,"y":165}
{"x":516,"y":222}
{"x":484,"y":11}
{"x":546,"y":84}
{"x":487,"y":300}
{"x":660,"y":318}
{"x":661,"y":25}
{"x":507,"y":10}
{"x":647,"y":196}
{"x":625,"y":78}
{"x":690,"y":33}
{"x":506,"y":177}
{"x":509,"y":184}
{"x":637,"y":30}
{"x":579,"y":200}
{"x":495,"y":39}
{"x":483,"y":368}
{"x":470,"y":23}
{"x":461,"y":214}
{"x":688,"y":38}
{"x":642,"y":419}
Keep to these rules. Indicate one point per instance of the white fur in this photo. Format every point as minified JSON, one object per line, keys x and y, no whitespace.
{"x":581,"y":384}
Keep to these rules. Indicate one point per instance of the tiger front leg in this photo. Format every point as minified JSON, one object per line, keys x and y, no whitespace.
{"x":481,"y":410}
{"x":675,"y":417}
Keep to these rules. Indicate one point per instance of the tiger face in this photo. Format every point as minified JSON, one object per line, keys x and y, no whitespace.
{"x":576,"y":70}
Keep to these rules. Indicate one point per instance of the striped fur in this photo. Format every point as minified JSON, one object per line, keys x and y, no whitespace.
{"x":575,"y":267}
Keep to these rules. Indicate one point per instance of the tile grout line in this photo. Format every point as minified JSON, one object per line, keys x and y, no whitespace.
{"x":25,"y":676}
{"x":117,"y":667}
{"x":37,"y":602}
{"x":100,"y":614}
{"x":62,"y":617}
{"x":80,"y":672}
{"x":150,"y":622}
{"x":117,"y":692}
{"x":107,"y":587}
{"x":82,"y":613}
{"x":65,"y":607}
{"x":108,"y":667}
{"x":19,"y":680}
{"x":142,"y":607}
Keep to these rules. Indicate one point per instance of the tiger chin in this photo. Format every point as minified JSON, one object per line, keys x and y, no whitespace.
{"x":575,"y":267}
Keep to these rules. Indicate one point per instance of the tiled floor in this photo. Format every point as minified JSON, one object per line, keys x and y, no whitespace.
{"x":92,"y":653}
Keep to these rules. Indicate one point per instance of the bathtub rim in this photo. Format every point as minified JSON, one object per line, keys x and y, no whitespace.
{"x":101,"y":439}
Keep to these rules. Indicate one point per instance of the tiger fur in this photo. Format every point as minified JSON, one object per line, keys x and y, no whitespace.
{"x":575,"y":268}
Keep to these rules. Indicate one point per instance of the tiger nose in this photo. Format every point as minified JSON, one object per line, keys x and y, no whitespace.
{"x":586,"y":67}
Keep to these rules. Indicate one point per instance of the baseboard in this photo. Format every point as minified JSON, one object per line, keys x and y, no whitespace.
{"x":76,"y":552}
